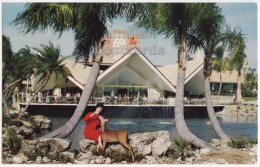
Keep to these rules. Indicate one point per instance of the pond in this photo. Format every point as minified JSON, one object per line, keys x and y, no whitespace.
{"x":232,"y":126}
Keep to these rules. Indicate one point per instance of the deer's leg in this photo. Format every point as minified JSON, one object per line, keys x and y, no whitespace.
{"x":128,"y":146}
{"x":104,"y":145}
{"x":99,"y":145}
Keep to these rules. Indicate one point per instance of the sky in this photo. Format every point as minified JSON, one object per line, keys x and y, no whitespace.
{"x":159,"y":51}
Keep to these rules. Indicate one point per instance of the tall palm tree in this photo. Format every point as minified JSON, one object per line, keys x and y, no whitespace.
{"x":13,"y":73}
{"x":7,"y":56}
{"x":88,"y":22}
{"x":175,"y":21}
{"x":219,"y":64}
{"x":237,"y":56}
{"x":208,"y":36}
{"x":251,"y":79}
{"x":47,"y":63}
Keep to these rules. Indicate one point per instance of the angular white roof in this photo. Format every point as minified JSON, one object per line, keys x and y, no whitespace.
{"x":79,"y":77}
{"x":134,"y":66}
{"x":171,"y":71}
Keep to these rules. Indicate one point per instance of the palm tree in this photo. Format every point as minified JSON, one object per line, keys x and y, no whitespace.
{"x":88,"y":22}
{"x":7,"y":55}
{"x":219,"y":64}
{"x":47,"y":63}
{"x":175,"y":21}
{"x":208,"y":36}
{"x":251,"y":79}
{"x":237,"y":56}
{"x":13,"y":73}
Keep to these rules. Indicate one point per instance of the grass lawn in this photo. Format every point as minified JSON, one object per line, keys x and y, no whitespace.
{"x":250,"y":98}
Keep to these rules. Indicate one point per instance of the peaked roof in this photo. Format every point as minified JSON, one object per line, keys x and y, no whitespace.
{"x":79,"y":77}
{"x":137,"y":63}
{"x":171,"y":71}
{"x":227,"y":77}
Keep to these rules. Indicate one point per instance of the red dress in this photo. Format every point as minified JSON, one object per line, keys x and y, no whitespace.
{"x":92,"y":125}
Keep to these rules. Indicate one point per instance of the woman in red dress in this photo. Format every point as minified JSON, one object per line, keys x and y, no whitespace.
{"x":93,"y":120}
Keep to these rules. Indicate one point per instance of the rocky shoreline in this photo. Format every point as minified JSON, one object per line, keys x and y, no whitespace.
{"x":149,"y":147}
{"x":241,"y":109}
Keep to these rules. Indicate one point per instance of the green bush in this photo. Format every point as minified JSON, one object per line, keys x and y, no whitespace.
{"x":242,"y":141}
{"x":13,"y":141}
{"x":182,"y":146}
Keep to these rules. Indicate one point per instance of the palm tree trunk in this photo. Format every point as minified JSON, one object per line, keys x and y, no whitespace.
{"x":239,"y":95}
{"x":66,"y":129}
{"x":212,"y":116}
{"x":6,"y":109}
{"x":220,"y":84}
{"x":210,"y":109}
{"x":15,"y":82}
{"x":182,"y":129}
{"x":29,"y":102}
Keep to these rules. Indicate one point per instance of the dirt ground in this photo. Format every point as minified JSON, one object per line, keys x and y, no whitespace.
{"x":234,"y":156}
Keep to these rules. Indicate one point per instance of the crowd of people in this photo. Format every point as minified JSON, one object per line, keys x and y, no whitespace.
{"x":47,"y":97}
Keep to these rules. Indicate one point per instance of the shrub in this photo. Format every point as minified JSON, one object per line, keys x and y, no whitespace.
{"x":182,"y":146}
{"x":117,"y":156}
{"x":242,"y":141}
{"x":13,"y":141}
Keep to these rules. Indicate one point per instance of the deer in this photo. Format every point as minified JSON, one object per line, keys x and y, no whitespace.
{"x":120,"y":136}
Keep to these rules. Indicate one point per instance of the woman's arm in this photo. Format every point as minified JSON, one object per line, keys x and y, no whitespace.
{"x":88,"y":116}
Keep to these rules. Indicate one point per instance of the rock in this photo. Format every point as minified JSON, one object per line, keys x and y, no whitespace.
{"x":254,"y":148}
{"x":149,"y":143}
{"x":87,"y":145}
{"x":28,"y":147}
{"x":157,"y":147}
{"x":84,"y":157}
{"x":26,"y":131}
{"x":220,"y":143}
{"x":123,"y":162}
{"x":204,"y":151}
{"x":68,"y":154}
{"x":241,"y":109}
{"x":108,"y":160}
{"x":20,"y":158}
{"x":55,"y":144}
{"x":100,"y":160}
{"x":150,"y":160}
{"x":14,"y":113}
{"x":46,"y":159}
{"x":190,"y":159}
{"x":41,"y":121}
{"x":115,"y":148}
{"x":155,"y":143}
{"x":59,"y":145}
{"x":38,"y":159}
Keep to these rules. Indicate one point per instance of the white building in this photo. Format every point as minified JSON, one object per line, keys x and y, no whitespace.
{"x":133,"y":74}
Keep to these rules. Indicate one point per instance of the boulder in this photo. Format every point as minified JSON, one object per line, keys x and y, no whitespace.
{"x":204,"y":151}
{"x":20,"y":158}
{"x":54,"y":144}
{"x":41,"y":121}
{"x":87,"y":145}
{"x":220,"y":143}
{"x":150,"y":143}
{"x":28,"y":147}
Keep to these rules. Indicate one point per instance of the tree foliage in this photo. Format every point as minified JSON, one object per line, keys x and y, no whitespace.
{"x":86,"y":20}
